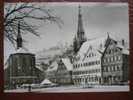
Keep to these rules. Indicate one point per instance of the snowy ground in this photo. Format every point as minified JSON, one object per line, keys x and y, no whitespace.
{"x":68,"y":89}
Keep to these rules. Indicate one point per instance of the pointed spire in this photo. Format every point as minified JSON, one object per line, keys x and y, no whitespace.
{"x":108,"y":40}
{"x":80,"y":24}
{"x":108,"y":34}
{"x":19,"y":37}
{"x":80,"y":36}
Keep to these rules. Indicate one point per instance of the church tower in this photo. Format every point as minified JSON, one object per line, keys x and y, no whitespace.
{"x":21,"y":68}
{"x":80,"y":36}
{"x":19,"y":38}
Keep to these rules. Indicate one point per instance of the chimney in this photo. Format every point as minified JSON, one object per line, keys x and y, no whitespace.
{"x":123,"y":42}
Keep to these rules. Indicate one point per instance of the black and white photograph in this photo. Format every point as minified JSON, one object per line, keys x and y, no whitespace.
{"x":66,"y":47}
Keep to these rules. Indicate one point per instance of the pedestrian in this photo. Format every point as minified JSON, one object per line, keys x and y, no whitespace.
{"x":29,"y":88}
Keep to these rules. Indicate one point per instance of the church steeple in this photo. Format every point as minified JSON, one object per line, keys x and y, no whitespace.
{"x":80,"y":36}
{"x":19,"y":37}
{"x":80,"y":24}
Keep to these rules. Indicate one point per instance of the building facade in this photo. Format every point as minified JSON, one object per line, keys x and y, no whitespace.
{"x":21,"y":70}
{"x":51,"y":72}
{"x":87,"y":68}
{"x":64,"y":72}
{"x":115,"y":64}
{"x":60,"y":72}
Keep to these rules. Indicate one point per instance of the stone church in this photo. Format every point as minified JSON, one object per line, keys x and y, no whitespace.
{"x":20,"y":67}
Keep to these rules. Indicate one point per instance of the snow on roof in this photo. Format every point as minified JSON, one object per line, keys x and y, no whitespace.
{"x":125,"y":47}
{"x":6,"y":64}
{"x":67,"y":63}
{"x":22,"y":50}
{"x":39,"y":67}
{"x":46,"y":81}
{"x":120,"y":46}
{"x":53,"y":66}
{"x":49,"y":52}
{"x":125,"y":51}
{"x":97,"y":44}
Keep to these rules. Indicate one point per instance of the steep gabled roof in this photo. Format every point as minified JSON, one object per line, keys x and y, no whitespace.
{"x":67,"y":63}
{"x":100,"y":44}
{"x":46,"y":81}
{"x":97,"y":44}
{"x":39,"y":67}
{"x":53,"y":66}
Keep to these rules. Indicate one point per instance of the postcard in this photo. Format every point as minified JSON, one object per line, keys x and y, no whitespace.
{"x":66,"y":47}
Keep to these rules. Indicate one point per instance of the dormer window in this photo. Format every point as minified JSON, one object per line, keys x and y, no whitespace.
{"x":101,"y":46}
{"x":92,"y":54}
{"x":109,"y":52}
{"x":90,"y":47}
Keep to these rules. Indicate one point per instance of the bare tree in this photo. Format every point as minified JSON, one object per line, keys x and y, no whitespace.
{"x":14,"y":12}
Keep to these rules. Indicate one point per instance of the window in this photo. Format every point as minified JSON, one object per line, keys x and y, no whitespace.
{"x":104,"y":60}
{"x":108,"y":69}
{"x":86,"y":64}
{"x":92,"y":54}
{"x":119,"y":77}
{"x":113,"y":68}
{"x":118,"y":68}
{"x":92,"y":63}
{"x":119,"y":57}
{"x":101,"y":45}
{"x":104,"y":69}
{"x":108,"y":59}
{"x":73,"y":66}
{"x":112,"y":59}
{"x":112,"y":50}
{"x":95,"y":62}
{"x":109,"y":52}
{"x":78,"y":65}
{"x":89,"y":63}
{"x":115,"y":58}
{"x":99,"y":62}
{"x":115,"y":50}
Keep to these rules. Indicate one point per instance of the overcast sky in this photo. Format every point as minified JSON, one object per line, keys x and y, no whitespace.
{"x":98,"y":19}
